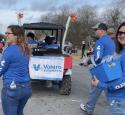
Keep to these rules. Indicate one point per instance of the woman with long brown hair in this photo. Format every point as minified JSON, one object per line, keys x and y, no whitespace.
{"x":14,"y":67}
{"x":116,"y":88}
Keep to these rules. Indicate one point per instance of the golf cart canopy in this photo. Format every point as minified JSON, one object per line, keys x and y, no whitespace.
{"x":42,"y":26}
{"x":53,"y":29}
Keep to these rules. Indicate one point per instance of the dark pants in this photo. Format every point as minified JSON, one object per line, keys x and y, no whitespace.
{"x":14,"y":100}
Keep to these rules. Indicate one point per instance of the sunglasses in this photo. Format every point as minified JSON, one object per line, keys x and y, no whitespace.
{"x":120,"y":33}
{"x":8,"y":33}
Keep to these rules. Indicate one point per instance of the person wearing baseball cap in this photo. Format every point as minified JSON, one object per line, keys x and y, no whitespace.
{"x":100,"y":29}
{"x":101,"y":26}
{"x":104,"y":46}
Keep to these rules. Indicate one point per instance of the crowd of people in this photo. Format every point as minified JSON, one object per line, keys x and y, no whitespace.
{"x":14,"y":69}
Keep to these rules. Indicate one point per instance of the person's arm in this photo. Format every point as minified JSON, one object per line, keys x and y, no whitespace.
{"x":98,"y":84}
{"x":102,"y":85}
{"x":119,"y":83}
{"x":110,"y":86}
{"x":98,"y":53}
{"x":4,"y":63}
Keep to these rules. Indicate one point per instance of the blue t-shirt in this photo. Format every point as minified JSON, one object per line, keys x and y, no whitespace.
{"x":116,"y":88}
{"x":52,"y":46}
{"x":103,"y":47}
{"x":14,"y":65}
{"x":31,"y":41}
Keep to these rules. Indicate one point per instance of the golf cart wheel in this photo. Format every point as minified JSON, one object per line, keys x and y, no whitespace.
{"x":65,"y":85}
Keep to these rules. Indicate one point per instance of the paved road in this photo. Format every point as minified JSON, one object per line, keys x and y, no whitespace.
{"x":49,"y":102}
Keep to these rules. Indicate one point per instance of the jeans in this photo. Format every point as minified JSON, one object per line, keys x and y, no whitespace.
{"x":116,"y":107}
{"x":14,"y":100}
{"x":92,"y":99}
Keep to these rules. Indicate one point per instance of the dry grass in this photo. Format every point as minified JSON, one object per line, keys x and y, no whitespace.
{"x":75,"y":57}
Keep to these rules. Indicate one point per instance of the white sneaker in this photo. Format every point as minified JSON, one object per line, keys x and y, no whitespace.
{"x":83,"y":108}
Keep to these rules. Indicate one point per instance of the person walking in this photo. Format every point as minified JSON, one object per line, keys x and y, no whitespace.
{"x":83,"y":49}
{"x":104,"y":46}
{"x":116,"y":88}
{"x":14,"y":69}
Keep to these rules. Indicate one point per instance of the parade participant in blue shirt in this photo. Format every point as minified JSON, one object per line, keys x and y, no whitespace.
{"x":14,"y":69}
{"x":116,"y":88}
{"x":49,"y":43}
{"x":104,"y":46}
{"x":31,"y":38}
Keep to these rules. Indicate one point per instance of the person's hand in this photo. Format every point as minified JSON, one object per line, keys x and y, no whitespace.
{"x":94,"y":81}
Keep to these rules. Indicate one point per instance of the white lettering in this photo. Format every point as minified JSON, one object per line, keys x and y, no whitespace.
{"x":98,"y":47}
{"x":2,"y":63}
{"x":120,"y":85}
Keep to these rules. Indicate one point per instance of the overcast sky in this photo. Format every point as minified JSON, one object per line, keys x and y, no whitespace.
{"x":33,"y":9}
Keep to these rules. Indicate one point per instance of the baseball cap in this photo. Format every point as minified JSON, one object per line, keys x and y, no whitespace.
{"x":83,"y":42}
{"x":101,"y":26}
{"x":111,"y":31}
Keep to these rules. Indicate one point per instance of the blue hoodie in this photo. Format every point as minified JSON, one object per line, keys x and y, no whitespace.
{"x":103,"y":47}
{"x":116,"y":88}
{"x":14,"y":65}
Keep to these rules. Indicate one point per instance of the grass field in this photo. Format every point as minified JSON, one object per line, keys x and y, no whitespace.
{"x":77,"y":56}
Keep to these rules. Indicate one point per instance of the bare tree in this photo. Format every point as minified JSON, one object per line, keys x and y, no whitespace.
{"x":63,"y":14}
{"x":47,"y":18}
{"x":78,"y":31}
{"x":87,"y":16}
{"x":59,"y":17}
{"x":113,"y":16}
{"x":120,"y":3}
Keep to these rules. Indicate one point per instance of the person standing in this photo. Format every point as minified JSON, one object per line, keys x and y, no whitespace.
{"x":83,"y":49}
{"x":14,"y":67}
{"x":31,"y":39}
{"x":83,"y":52}
{"x":116,"y":88}
{"x":49,"y":43}
{"x":104,"y":46}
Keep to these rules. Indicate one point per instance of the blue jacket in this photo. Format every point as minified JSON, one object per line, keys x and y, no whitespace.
{"x":31,"y":41}
{"x":103,"y":47}
{"x":52,"y":46}
{"x":116,"y":88}
{"x":14,"y":65}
